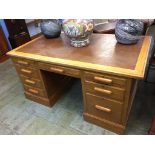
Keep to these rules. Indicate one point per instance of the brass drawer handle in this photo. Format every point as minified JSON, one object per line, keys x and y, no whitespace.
{"x":30,"y":81}
{"x":22,"y":62}
{"x":104,"y":91}
{"x":33,"y":91}
{"x":104,"y":80}
{"x":26,"y":71}
{"x":102,"y":108}
{"x":57,"y":70}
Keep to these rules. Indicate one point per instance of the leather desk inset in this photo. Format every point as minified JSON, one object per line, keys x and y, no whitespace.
{"x":108,"y":71}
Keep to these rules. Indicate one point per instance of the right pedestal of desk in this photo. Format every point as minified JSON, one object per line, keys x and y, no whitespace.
{"x":108,"y":100}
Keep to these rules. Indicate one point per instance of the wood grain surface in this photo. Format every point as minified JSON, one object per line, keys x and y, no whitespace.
{"x":103,"y":54}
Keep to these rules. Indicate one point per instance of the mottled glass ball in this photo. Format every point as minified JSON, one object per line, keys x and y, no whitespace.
{"x":50,"y":28}
{"x":78,"y":31}
{"x":128,"y":31}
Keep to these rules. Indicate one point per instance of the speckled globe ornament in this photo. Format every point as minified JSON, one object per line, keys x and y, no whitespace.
{"x":128,"y":31}
{"x":50,"y":28}
{"x":78,"y":31}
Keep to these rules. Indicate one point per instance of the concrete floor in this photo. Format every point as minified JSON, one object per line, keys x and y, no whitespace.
{"x":19,"y":115}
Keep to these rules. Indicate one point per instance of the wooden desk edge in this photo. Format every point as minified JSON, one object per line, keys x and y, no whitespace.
{"x":142,"y":59}
{"x":137,"y":73}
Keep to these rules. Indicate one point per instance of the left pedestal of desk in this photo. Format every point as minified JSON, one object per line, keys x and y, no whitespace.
{"x":36,"y":85}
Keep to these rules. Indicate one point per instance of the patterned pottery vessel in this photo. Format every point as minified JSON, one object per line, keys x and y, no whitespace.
{"x":50,"y":28}
{"x":127,"y":31}
{"x":78,"y":30}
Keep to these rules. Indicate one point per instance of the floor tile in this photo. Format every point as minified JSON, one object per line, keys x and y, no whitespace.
{"x":4,"y":130}
{"x":15,"y":118}
{"x":41,"y":126}
{"x":84,"y":127}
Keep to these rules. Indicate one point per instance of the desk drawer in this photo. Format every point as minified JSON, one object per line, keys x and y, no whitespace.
{"x":23,"y":62}
{"x":60,"y":69}
{"x":31,"y":82}
{"x":105,"y":79}
{"x":28,"y":72}
{"x":35,"y":91}
{"x":105,"y":91}
{"x":103,"y":108}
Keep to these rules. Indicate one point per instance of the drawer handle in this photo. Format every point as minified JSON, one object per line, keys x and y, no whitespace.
{"x":26,"y":71}
{"x":22,"y":62}
{"x":30,"y":81}
{"x":33,"y":91}
{"x":57,"y":70}
{"x":103,"y":90}
{"x":102,"y":108}
{"x":104,"y":80}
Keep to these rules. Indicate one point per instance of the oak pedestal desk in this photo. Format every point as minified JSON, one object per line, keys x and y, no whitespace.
{"x":109,"y":72}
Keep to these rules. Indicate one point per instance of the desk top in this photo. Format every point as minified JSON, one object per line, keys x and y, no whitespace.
{"x":103,"y":54}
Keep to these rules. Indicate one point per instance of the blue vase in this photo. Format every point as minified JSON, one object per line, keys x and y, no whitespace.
{"x":50,"y":28}
{"x":128,"y":31}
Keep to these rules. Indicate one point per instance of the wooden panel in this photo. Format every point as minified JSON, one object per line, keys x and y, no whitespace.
{"x":103,"y":55}
{"x":59,"y":69}
{"x":103,"y":108}
{"x":60,"y":90}
{"x":31,"y":82}
{"x":38,"y":99}
{"x":16,"y":26}
{"x":132,"y":95}
{"x":35,"y":91}
{"x":19,"y":39}
{"x":18,"y":32}
{"x":23,"y":62}
{"x":105,"y":91}
{"x":105,"y":79}
{"x":115,"y":127}
{"x":110,"y":53}
{"x":28,"y":72}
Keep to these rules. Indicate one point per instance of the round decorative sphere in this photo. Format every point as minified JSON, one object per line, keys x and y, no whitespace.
{"x":78,"y":30}
{"x":127,"y":31}
{"x":50,"y":28}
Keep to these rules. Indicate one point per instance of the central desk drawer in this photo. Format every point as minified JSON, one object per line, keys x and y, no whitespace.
{"x":31,"y":82}
{"x":59,"y":69}
{"x":35,"y":91}
{"x":103,"y":108}
{"x":105,"y":91}
{"x":28,"y":72}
